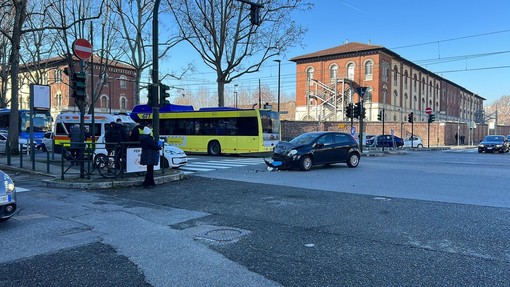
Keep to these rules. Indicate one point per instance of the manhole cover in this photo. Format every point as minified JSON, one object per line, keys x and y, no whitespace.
{"x":226,"y":234}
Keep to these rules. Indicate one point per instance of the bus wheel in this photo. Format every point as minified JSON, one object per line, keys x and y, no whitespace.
{"x":214,"y":148}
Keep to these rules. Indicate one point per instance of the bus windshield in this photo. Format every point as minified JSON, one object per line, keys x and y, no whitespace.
{"x":41,"y":121}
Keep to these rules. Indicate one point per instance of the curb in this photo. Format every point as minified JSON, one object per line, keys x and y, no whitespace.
{"x":114,"y":183}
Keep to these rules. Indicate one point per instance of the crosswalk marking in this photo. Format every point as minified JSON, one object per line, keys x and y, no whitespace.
{"x":21,"y":189}
{"x":197,"y":165}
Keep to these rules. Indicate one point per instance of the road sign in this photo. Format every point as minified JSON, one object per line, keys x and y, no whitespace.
{"x":82,"y":49}
{"x":428,"y":111}
{"x":353,"y":131}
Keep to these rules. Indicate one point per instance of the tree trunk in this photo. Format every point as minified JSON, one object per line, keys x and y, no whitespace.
{"x":221,"y":92}
{"x":19,"y":18}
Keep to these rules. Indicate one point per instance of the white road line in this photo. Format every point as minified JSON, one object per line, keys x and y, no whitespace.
{"x":195,"y":169}
{"x":205,"y":165}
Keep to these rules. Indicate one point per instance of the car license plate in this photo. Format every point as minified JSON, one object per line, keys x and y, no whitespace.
{"x":489,"y":147}
{"x":5,"y":198}
{"x":180,"y":160}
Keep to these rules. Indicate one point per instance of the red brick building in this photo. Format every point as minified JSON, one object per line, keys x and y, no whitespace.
{"x":326,"y":82}
{"x":115,"y":88}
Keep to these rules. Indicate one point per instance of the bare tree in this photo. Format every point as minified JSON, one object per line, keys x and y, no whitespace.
{"x":135,"y":18}
{"x":17,"y":10}
{"x":221,"y":32}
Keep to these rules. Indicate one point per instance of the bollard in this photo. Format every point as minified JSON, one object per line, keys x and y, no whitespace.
{"x":21,"y":156}
{"x":8,"y":152}
{"x":47,"y":161}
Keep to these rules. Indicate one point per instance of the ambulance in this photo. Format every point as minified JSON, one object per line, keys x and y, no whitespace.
{"x":65,"y":121}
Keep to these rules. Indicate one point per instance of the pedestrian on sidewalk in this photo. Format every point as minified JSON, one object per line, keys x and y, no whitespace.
{"x":149,"y":156}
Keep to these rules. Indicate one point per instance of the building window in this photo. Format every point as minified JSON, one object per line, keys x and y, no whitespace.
{"x":123,"y":103}
{"x":395,"y":98}
{"x":369,"y":70}
{"x":415,"y":84}
{"x":123,"y":82}
{"x":385,"y":71}
{"x":309,"y":74}
{"x":58,"y":101}
{"x":423,"y":85}
{"x":368,"y":95}
{"x":333,"y":72}
{"x":395,"y":75}
{"x":104,"y":103}
{"x":58,"y":76}
{"x":350,"y":71}
{"x":406,"y":75}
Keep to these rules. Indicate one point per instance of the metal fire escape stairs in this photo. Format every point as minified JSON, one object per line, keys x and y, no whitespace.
{"x":326,"y":102}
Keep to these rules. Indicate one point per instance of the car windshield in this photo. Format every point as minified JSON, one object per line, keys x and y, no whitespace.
{"x":493,"y":138}
{"x":304,"y":139}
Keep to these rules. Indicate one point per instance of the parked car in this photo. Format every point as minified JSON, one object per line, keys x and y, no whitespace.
{"x":47,"y":142}
{"x":3,"y":142}
{"x":413,"y":141}
{"x":385,"y":141}
{"x":7,"y":197}
{"x":316,"y":148}
{"x":493,"y":143}
{"x":369,"y":139}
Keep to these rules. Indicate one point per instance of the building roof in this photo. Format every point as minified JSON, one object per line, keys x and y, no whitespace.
{"x":338,"y":50}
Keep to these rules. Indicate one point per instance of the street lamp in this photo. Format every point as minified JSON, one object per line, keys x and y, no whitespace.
{"x":235,"y":95}
{"x":279,"y":62}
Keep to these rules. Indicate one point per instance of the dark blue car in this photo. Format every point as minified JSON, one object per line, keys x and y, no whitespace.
{"x":493,"y":143}
{"x":316,"y":148}
{"x":385,"y":141}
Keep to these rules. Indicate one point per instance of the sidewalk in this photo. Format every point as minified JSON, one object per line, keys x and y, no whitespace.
{"x":69,"y":176}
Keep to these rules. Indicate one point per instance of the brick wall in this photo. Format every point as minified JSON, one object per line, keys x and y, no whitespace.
{"x":441,"y":133}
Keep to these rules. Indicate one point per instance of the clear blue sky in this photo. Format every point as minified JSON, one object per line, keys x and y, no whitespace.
{"x":467,"y":42}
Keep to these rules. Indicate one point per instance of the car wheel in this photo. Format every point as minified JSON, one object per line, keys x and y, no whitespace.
{"x":164,"y":162}
{"x":214,"y":148}
{"x":306,"y":163}
{"x":353,"y":160}
{"x":420,"y":146}
{"x":479,"y":151}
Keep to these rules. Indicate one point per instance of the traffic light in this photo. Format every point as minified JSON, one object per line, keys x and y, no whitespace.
{"x":432,"y":118}
{"x":348,"y":111}
{"x":410,"y":117}
{"x":164,"y":96}
{"x":363,"y":112}
{"x":79,"y":87}
{"x":355,"y":111}
{"x":380,"y":116}
{"x":255,"y":14}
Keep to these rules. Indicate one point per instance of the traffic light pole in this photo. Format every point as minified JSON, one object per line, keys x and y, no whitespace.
{"x":361,"y":123}
{"x":81,"y":106}
{"x":155,"y":71}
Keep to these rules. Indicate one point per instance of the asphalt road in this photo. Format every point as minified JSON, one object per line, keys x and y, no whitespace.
{"x":421,"y":219}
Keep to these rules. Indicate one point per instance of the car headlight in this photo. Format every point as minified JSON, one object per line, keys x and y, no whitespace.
{"x":499,"y":145}
{"x":8,"y":183}
{"x":292,"y":152}
{"x":480,"y":145}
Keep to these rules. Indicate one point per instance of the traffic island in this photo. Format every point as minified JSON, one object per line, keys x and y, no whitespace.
{"x":105,"y":183}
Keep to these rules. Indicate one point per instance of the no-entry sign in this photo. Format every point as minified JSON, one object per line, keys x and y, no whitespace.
{"x":82,"y":49}
{"x":428,"y":111}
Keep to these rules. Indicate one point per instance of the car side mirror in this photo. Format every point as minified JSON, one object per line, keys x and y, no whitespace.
{"x":318,"y":145}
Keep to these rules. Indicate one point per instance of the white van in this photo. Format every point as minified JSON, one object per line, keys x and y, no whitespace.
{"x":171,"y":156}
{"x":65,"y":121}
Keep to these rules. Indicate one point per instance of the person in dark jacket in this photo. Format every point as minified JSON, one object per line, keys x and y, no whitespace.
{"x":149,"y":156}
{"x":76,"y":146}
{"x":114,"y":136}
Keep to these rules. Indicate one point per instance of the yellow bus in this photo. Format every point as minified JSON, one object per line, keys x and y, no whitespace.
{"x":215,"y":131}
